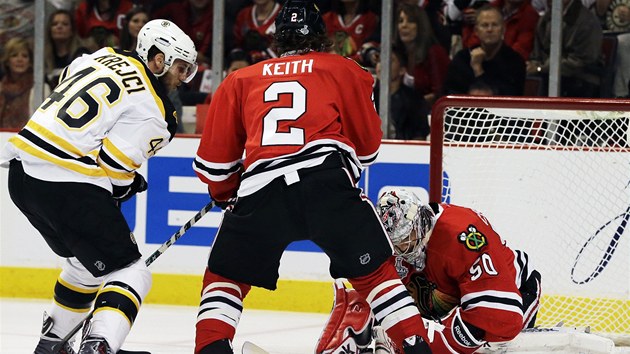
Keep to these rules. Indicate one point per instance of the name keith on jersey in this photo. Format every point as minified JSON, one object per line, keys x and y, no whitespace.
{"x":288,"y":68}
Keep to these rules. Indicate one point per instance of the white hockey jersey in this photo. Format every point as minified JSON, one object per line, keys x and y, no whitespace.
{"x":107,"y":116}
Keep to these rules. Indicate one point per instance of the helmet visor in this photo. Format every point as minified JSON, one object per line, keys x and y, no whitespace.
{"x":191,"y":71}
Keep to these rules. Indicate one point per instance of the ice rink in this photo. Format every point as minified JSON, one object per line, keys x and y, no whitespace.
{"x":162,"y":329}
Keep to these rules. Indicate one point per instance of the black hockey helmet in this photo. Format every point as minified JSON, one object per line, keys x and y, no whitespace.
{"x":301,"y":17}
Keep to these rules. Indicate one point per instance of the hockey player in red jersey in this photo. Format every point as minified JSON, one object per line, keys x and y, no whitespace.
{"x":76,"y":161}
{"x":459,"y":272}
{"x":307,"y":125}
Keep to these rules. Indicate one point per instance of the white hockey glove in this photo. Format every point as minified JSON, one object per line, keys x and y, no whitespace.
{"x":349,"y":328}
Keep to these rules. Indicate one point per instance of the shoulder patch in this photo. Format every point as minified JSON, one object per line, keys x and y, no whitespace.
{"x":472,"y":238}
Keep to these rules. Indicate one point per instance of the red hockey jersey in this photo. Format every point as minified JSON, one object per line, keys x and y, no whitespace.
{"x":246,"y":21}
{"x":286,"y":114}
{"x":469,"y":268}
{"x":349,"y":37}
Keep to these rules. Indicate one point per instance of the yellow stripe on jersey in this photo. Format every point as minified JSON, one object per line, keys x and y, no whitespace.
{"x":54,"y":138}
{"x":124,"y":159}
{"x":75,"y":288}
{"x":124,"y":315}
{"x":123,"y":176}
{"x":142,"y":71}
{"x":126,"y":293}
{"x":26,"y":146}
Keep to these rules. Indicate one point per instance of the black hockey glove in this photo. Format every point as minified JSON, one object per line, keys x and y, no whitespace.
{"x":124,"y":193}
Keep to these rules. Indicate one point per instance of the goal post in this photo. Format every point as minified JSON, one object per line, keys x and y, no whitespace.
{"x":552,"y":175}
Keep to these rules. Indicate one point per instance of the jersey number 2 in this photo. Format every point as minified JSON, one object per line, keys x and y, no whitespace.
{"x":270,"y":133}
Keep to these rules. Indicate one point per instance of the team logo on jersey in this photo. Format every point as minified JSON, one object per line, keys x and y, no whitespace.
{"x":99,"y":265}
{"x":472,"y":238}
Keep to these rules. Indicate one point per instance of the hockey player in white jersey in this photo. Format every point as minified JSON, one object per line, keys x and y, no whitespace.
{"x":76,"y":161}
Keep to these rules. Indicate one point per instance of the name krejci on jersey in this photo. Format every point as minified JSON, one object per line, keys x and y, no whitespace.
{"x":130,"y":78}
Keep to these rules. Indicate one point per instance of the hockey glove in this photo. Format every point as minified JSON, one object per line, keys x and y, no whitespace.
{"x":124,"y":193}
{"x":226,"y":204}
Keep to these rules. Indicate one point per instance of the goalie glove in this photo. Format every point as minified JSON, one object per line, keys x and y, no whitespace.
{"x":124,"y":193}
{"x":349,"y":327}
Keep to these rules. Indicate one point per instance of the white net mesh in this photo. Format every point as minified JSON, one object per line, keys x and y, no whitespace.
{"x":554,"y":183}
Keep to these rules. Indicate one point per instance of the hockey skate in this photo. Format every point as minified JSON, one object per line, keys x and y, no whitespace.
{"x":47,"y":340}
{"x":94,"y":345}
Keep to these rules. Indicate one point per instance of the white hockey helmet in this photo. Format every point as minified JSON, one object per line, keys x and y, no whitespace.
{"x":170,"y":40}
{"x":408,"y":223}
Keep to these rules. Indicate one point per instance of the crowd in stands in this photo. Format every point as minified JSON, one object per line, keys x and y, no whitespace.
{"x":439,"y":47}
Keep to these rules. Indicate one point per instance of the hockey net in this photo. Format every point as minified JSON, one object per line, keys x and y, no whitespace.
{"x":552,"y":175}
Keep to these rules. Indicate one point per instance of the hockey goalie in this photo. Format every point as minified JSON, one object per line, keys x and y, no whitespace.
{"x":468,"y":285}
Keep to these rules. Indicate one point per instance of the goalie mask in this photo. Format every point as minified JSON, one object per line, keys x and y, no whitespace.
{"x":170,"y":40}
{"x":407,"y":222}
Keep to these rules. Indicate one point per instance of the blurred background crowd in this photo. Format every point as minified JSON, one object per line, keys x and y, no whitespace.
{"x":438,"y":47}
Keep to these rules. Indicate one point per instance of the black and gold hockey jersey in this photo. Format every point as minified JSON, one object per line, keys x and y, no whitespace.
{"x":107,"y":116}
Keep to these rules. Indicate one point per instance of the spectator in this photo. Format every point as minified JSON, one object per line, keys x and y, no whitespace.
{"x":105,"y":14}
{"x":16,"y":87}
{"x":407,"y":108}
{"x":16,"y":20}
{"x":350,"y":24}
{"x":435,"y":11}
{"x":616,"y":19}
{"x":492,"y":62}
{"x":195,"y":18}
{"x":427,"y":59}
{"x":460,"y":14}
{"x":253,"y":30}
{"x":519,"y":20}
{"x":133,"y":22}
{"x":237,"y":59}
{"x":62,"y":45}
{"x":581,"y":50}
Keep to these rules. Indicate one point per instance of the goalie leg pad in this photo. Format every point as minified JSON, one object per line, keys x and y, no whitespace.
{"x":349,"y":327}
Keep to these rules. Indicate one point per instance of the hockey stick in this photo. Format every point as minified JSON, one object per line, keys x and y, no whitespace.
{"x":148,"y":261}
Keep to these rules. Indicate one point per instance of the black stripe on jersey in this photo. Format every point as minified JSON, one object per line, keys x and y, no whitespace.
{"x":118,"y":301}
{"x":220,"y":299}
{"x":30,"y":136}
{"x":73,"y":299}
{"x":217,"y":171}
{"x":368,"y":161}
{"x":308,"y":154}
{"x":110,"y":161}
{"x":492,"y":299}
{"x":126,"y":287}
{"x":390,"y":302}
{"x":521,"y":260}
{"x":160,"y":90}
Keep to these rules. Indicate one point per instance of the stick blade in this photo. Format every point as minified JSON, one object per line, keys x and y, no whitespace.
{"x":251,"y":348}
